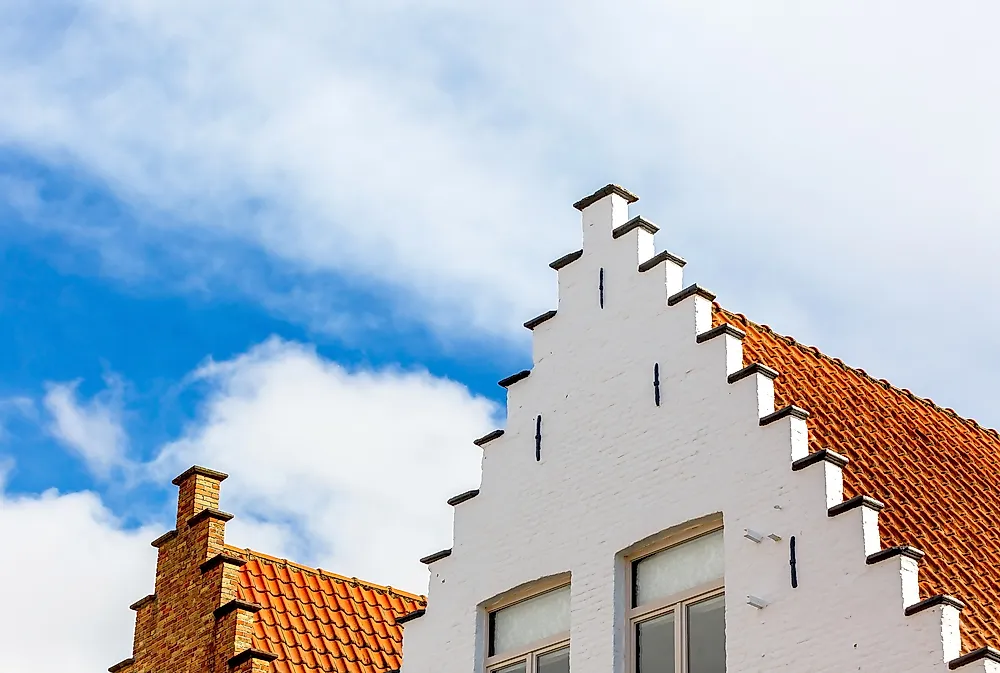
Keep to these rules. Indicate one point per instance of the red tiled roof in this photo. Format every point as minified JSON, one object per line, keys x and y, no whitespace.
{"x":314,"y":620}
{"x":937,"y":473}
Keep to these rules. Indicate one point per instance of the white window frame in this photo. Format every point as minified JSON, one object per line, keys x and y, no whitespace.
{"x":677,"y":603}
{"x":531,"y":652}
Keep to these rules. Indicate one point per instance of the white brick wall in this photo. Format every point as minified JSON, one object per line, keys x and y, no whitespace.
{"x":616,"y":469}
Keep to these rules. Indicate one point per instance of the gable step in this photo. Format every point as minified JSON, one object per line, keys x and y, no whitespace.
{"x":566,"y":260}
{"x":247,"y":655}
{"x":489,"y":437}
{"x":228,"y":559}
{"x":637,"y":222}
{"x":462,"y":497}
{"x":750,"y":370}
{"x":235,"y":604}
{"x":436,"y":556}
{"x":410,"y":616}
{"x":854,"y":503}
{"x":790,"y":410}
{"x":121,"y":665}
{"x":659,"y":258}
{"x":690,"y":291}
{"x":724,"y":328}
{"x":982,"y":654}
{"x":514,"y":378}
{"x":538,"y":320}
{"x":934,"y":601}
{"x":893,"y":552}
{"x":821,"y":456}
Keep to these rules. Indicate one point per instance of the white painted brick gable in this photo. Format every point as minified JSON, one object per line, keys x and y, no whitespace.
{"x":616,"y":469}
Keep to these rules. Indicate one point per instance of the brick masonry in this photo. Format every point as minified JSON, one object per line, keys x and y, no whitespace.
{"x":180,"y":628}
{"x":616,"y":471}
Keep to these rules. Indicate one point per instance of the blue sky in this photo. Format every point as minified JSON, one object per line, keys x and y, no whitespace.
{"x":297,"y":244}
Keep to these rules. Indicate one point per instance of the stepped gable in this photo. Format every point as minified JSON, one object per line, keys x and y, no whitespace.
{"x":937,"y":473}
{"x":220,"y":609}
{"x":314,"y":620}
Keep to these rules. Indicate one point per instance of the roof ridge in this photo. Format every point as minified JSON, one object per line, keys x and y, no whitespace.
{"x":261,"y":556}
{"x":815,"y":351}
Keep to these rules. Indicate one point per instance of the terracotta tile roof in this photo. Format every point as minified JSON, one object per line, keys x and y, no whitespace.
{"x":314,"y":620}
{"x":937,"y":473}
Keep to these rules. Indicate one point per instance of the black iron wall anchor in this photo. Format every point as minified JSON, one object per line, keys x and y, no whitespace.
{"x":656,"y":383}
{"x":791,"y":562}
{"x":601,"y":286}
{"x":538,"y":438}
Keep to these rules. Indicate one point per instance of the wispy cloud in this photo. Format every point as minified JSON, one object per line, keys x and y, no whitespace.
{"x":91,"y":428}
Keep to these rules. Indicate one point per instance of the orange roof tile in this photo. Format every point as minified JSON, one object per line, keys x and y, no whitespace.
{"x":937,"y":473}
{"x":314,"y":620}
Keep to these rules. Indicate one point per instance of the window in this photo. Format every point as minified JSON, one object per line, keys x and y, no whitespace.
{"x":531,"y":635}
{"x":677,"y":616}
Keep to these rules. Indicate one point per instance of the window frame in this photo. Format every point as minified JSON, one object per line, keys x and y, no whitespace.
{"x":677,"y":603}
{"x":530,"y":652}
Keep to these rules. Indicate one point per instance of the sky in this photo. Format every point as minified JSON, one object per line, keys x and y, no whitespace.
{"x":295,"y":242}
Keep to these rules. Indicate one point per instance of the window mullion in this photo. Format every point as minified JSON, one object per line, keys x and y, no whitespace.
{"x":680,"y":651}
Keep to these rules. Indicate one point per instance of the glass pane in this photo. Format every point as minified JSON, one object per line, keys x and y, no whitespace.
{"x":554,"y":662}
{"x":519,"y":667}
{"x":707,"y":636}
{"x":654,"y":645}
{"x":529,"y":621}
{"x":679,"y":568}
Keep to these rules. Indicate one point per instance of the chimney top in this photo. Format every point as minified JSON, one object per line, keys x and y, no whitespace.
{"x":606,"y":191}
{"x":203,"y":471}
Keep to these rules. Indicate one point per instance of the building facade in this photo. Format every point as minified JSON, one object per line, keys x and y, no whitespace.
{"x":680,"y":490}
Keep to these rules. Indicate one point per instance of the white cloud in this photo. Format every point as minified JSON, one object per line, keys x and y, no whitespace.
{"x":72,"y":561}
{"x":346,"y":470}
{"x":90,"y":428}
{"x":828,"y":167}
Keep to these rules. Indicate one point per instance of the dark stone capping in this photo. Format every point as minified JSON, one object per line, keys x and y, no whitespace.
{"x":496,"y":434}
{"x":203,"y":471}
{"x":410,"y":616}
{"x":821,"y":456}
{"x":934,"y":601}
{"x":210,"y":513}
{"x":605,"y":191}
{"x":514,"y":378}
{"x":164,"y":539}
{"x":662,"y":256}
{"x":566,"y":260}
{"x":535,"y":322}
{"x":235,"y":604}
{"x":462,"y":497}
{"x":142,"y":602}
{"x":855,"y":502}
{"x":689,"y":291}
{"x":790,"y":410}
{"x":121,"y":665}
{"x":247,"y":655}
{"x":750,"y":370}
{"x":637,"y":222}
{"x":892,"y":552}
{"x":222,"y":558}
{"x":437,"y":556}
{"x":724,"y":328}
{"x":982,"y":654}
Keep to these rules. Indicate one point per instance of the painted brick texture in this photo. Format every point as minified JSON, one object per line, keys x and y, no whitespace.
{"x":616,"y":470}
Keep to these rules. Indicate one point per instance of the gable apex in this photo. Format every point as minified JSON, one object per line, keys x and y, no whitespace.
{"x":607,"y":190}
